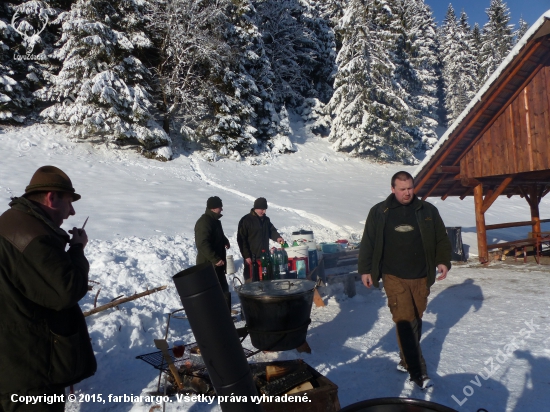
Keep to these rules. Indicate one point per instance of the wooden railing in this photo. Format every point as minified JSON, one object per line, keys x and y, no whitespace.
{"x":515,"y":224}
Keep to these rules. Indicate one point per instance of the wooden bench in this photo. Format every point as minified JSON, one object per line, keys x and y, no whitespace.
{"x":523,"y":244}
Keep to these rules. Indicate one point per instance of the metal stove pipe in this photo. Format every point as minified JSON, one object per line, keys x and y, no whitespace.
{"x":210,"y":320}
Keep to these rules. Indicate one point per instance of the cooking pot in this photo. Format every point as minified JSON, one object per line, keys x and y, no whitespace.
{"x":396,"y":405}
{"x":277,"y":312}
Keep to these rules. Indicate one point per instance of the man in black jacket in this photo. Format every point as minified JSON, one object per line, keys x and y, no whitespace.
{"x":44,"y":341}
{"x":254,"y":231}
{"x":404,"y":242}
{"x":212,"y":243}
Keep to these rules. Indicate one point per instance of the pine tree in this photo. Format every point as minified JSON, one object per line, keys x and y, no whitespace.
{"x":497,"y":38}
{"x":103,"y":89}
{"x":368,"y":106}
{"x":416,"y":62}
{"x":477,"y":42}
{"x":460,"y":69}
{"x":523,"y":26}
{"x":301,"y":60}
{"x":26,"y":39}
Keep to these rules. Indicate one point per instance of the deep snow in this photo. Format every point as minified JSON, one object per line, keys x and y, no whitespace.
{"x":142,"y":213}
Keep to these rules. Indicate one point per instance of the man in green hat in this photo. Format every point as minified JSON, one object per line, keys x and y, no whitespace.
{"x":44,"y":340}
{"x":212,"y":243}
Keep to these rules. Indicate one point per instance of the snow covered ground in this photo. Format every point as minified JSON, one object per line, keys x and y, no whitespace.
{"x":142,"y":213}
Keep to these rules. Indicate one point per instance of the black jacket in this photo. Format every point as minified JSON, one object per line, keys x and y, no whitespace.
{"x":437,"y":245}
{"x":44,"y":340}
{"x":209,"y":238}
{"x":254,"y":233}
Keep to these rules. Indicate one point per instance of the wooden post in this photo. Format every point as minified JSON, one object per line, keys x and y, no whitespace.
{"x":480,"y":225}
{"x":534,"y":201}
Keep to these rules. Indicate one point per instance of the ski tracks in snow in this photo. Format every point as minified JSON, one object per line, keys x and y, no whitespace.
{"x":314,"y":218}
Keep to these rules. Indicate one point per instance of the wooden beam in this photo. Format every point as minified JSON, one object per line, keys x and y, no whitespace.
{"x":469,"y":182}
{"x":453,"y":187}
{"x":451,"y":170}
{"x":513,"y":224}
{"x":535,"y":214}
{"x":478,"y":113}
{"x":490,"y":198}
{"x":466,"y":193}
{"x":480,"y":225}
{"x":524,"y":194}
{"x":433,"y":187}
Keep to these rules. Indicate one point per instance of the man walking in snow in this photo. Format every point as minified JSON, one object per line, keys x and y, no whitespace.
{"x":44,"y":341}
{"x":253,"y":234}
{"x":403,"y":243}
{"x":212,"y":243}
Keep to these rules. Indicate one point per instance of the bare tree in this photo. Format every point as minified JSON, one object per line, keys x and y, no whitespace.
{"x":192,"y":47}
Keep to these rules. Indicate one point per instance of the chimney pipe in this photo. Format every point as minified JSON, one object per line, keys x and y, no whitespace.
{"x":210,"y":320}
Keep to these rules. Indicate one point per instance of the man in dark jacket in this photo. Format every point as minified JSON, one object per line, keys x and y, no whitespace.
{"x":44,"y":341}
{"x":212,"y":243}
{"x":403,"y":243}
{"x":254,"y":231}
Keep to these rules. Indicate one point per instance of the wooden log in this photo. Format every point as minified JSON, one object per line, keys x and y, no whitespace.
{"x":124,"y":300}
{"x":480,"y":225}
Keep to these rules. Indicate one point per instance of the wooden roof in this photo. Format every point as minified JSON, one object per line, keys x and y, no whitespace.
{"x":503,"y":133}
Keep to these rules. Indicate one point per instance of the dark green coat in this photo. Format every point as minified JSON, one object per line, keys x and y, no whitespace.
{"x":209,"y":238}
{"x":44,"y":340}
{"x":432,"y":230}
{"x":254,"y":233}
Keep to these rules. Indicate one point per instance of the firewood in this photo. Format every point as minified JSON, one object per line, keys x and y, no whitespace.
{"x":306,"y":386}
{"x":274,"y":372}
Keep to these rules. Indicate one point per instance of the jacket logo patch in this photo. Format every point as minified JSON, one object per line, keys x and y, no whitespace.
{"x":428,"y":218}
{"x":404,"y":228}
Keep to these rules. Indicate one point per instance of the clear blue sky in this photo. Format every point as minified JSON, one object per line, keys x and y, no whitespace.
{"x":530,"y":10}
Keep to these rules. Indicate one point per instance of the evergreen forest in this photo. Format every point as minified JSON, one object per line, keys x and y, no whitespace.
{"x":375,"y":77}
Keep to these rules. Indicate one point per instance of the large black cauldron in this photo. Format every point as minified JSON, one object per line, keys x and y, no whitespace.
{"x":396,"y":405}
{"x":277,"y":312}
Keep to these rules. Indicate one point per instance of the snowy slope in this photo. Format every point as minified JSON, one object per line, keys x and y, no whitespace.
{"x":142,"y":214}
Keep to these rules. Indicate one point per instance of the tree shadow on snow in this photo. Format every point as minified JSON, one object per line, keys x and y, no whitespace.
{"x":450,"y":306}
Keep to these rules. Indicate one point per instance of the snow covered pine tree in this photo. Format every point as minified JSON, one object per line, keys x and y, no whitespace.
{"x":102,"y":89}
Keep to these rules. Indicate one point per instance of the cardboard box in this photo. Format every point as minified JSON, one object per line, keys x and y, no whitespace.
{"x":323,"y":397}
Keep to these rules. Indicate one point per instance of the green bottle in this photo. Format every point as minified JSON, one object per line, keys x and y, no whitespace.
{"x":265,"y":261}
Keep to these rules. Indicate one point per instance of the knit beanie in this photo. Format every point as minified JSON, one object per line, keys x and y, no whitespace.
{"x":214,"y":202}
{"x":260,"y":203}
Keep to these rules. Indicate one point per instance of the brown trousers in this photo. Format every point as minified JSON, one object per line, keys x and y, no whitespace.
{"x":407,"y":300}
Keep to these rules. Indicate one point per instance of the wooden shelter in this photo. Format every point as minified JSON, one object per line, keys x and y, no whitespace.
{"x":500,"y":145}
